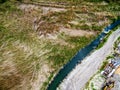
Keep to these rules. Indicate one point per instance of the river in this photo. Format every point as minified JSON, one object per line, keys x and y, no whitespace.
{"x":81,"y":54}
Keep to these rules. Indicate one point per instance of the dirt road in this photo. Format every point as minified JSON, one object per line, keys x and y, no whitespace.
{"x":77,"y":79}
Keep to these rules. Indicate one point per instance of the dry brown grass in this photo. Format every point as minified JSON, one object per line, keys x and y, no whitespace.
{"x":9,"y":76}
{"x":26,"y":60}
{"x":50,"y":22}
{"x":118,"y":71}
{"x":47,"y":28}
{"x":22,"y":55}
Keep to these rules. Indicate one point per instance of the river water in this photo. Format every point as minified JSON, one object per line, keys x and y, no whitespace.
{"x":80,"y":55}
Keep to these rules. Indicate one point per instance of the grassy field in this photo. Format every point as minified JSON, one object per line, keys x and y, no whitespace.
{"x":29,"y":57}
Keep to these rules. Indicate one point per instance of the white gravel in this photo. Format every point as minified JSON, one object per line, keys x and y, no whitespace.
{"x":77,"y":79}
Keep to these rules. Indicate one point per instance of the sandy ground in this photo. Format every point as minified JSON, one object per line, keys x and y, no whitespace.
{"x":77,"y":79}
{"x":75,"y":33}
{"x":45,"y":10}
{"x":52,"y":9}
{"x":117,"y":79}
{"x":118,"y":71}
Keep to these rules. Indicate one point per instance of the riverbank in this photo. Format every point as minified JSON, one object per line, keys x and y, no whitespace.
{"x":77,"y":79}
{"x":98,"y":81}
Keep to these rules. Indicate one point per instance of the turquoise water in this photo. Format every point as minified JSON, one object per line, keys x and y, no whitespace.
{"x":81,"y":54}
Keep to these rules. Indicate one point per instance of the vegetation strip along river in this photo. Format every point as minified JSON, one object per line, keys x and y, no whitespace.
{"x":79,"y":57}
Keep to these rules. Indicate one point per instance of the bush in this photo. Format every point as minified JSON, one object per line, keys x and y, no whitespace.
{"x":8,"y":6}
{"x":20,"y":0}
{"x":2,"y":1}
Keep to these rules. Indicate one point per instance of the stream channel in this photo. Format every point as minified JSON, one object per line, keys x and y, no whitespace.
{"x":80,"y":55}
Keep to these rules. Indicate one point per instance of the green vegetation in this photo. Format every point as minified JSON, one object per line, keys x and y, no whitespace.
{"x":103,"y":65}
{"x":26,"y":57}
{"x":52,"y":20}
{"x":45,"y":84}
{"x":22,"y":50}
{"x":78,"y":1}
{"x":105,"y":62}
{"x":60,"y":55}
{"x":87,"y":16}
{"x":20,"y":58}
{"x":105,"y":39}
{"x":116,"y":43}
{"x":90,"y":84}
{"x":8,"y":6}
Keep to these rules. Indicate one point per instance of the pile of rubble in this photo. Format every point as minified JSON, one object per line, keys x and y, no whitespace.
{"x":112,"y":78}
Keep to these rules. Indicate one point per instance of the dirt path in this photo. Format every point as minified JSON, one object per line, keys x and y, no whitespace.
{"x":45,"y":10}
{"x":77,"y":79}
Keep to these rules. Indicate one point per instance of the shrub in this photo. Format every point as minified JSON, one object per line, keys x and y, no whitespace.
{"x":2,"y":1}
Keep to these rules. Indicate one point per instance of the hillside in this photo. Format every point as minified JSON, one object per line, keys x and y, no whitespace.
{"x":38,"y":37}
